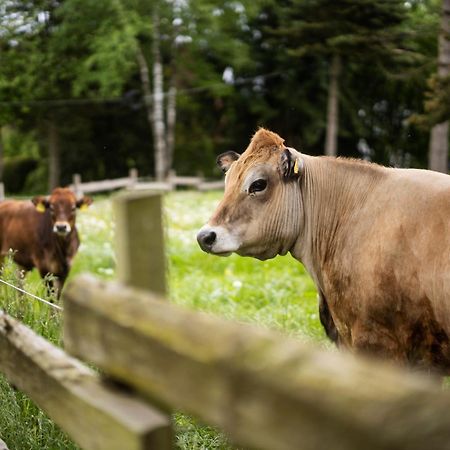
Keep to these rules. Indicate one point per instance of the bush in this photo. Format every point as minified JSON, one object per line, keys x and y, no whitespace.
{"x":15,"y":172}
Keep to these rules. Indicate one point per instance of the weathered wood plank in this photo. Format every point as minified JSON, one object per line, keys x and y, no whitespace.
{"x":264,"y":390}
{"x":153,"y":186}
{"x":95,"y":415}
{"x":211,"y":185}
{"x":140,"y":240}
{"x":103,"y":185}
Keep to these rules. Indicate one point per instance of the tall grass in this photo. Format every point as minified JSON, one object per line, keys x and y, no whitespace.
{"x":276,"y":294}
{"x":22,"y":425}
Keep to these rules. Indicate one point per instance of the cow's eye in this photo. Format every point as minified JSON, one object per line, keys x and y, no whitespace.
{"x":257,"y":186}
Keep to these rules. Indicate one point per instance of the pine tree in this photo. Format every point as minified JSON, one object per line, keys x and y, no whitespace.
{"x":342,"y":32}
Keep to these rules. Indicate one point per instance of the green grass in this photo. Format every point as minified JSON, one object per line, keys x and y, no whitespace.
{"x":22,"y":425}
{"x":276,"y":294}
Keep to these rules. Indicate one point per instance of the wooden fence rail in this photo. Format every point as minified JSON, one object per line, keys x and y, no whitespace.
{"x":95,"y":415}
{"x":265,"y":390}
{"x":132,"y":182}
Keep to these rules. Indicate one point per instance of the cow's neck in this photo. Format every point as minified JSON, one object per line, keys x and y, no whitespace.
{"x":333,"y":193}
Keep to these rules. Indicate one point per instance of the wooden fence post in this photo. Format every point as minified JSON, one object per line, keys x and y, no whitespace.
{"x":76,"y":180}
{"x":140,"y":240}
{"x":133,"y":175}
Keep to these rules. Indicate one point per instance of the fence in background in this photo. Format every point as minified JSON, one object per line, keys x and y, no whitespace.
{"x":263,"y":389}
{"x":132,"y":182}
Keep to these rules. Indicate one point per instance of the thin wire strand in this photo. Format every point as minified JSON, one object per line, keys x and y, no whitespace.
{"x":99,"y":100}
{"x":32,"y":295}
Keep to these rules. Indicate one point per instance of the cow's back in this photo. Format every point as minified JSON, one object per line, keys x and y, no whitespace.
{"x":19,"y":227}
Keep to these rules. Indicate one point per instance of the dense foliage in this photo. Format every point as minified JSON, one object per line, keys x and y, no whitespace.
{"x":72,"y":66}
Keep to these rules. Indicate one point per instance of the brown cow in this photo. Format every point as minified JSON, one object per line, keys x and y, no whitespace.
{"x":42,"y":233}
{"x":375,"y":240}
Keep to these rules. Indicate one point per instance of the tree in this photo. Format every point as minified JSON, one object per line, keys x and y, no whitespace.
{"x":439,"y":101}
{"x":137,"y":37}
{"x":364,"y":31}
{"x":33,"y":71}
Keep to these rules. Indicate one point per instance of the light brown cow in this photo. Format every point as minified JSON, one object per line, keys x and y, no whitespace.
{"x":375,"y":240}
{"x":42,"y":233}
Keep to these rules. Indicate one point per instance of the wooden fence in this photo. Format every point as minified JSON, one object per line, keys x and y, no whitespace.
{"x":263,"y":389}
{"x":132,"y":182}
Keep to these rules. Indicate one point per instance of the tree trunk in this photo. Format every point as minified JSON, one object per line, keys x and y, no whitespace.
{"x":1,"y":159}
{"x":333,"y":107}
{"x":438,"y":149}
{"x":54,"y":166}
{"x":159,"y":128}
{"x":146,"y":88}
{"x":171,"y":122}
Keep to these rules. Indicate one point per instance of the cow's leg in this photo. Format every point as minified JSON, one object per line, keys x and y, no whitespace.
{"x":326,"y":319}
{"x":58,"y":285}
{"x":54,"y":283}
{"x":49,"y":280}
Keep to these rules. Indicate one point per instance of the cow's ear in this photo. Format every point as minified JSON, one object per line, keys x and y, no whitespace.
{"x":41,"y":203}
{"x":291,"y":165}
{"x":84,"y":202}
{"x":225,"y":160}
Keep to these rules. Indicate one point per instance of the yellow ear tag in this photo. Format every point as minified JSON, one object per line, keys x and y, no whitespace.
{"x":40,"y":207}
{"x":296,"y":169}
{"x":83,"y":207}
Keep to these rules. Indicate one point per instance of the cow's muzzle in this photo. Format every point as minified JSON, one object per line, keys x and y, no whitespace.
{"x":61,"y":228}
{"x":217,"y":240}
{"x":206,"y":240}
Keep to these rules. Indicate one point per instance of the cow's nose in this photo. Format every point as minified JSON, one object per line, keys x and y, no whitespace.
{"x":61,"y":228}
{"x":206,"y":239}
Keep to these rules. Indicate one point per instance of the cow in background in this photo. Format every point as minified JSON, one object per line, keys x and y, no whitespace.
{"x":42,"y":233}
{"x":375,"y":240}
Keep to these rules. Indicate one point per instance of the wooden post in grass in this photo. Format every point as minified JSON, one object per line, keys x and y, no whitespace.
{"x":133,"y":175}
{"x":140,"y":240}
{"x":76,"y":181}
{"x":140,"y":247}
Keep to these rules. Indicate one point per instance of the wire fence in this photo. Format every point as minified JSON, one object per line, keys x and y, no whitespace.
{"x":59,"y":308}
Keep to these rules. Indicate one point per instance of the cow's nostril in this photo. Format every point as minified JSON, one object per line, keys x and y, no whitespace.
{"x":210,"y":238}
{"x":206,"y":239}
{"x":61,"y":227}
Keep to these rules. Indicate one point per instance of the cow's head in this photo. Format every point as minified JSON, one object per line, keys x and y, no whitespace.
{"x":61,"y":205}
{"x":261,"y":210}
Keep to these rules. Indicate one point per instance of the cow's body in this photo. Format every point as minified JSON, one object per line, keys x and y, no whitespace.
{"x":375,"y":240}
{"x":42,"y":233}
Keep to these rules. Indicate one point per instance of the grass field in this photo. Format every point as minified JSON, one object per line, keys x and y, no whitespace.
{"x":276,"y":294}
